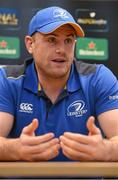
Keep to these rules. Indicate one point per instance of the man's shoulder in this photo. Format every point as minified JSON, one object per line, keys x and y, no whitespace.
{"x":94,"y":71}
{"x":84,"y":68}
{"x":16,"y":71}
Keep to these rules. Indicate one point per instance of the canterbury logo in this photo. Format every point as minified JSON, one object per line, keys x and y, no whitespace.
{"x":26,"y":107}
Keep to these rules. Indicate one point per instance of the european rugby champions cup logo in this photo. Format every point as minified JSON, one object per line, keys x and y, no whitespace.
{"x":76,"y":108}
{"x":9,"y":18}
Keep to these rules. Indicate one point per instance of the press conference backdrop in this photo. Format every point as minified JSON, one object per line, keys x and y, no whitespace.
{"x":98,"y":19}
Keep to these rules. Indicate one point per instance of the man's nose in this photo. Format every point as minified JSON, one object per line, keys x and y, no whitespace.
{"x":60,"y":48}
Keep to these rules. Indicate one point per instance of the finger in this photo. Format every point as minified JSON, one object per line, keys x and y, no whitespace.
{"x":30,"y":129}
{"x":75,"y":145}
{"x":75,"y":155}
{"x":36,"y":140}
{"x":77,"y":137}
{"x":46,"y":155}
{"x":93,"y":129}
{"x":37,"y":149}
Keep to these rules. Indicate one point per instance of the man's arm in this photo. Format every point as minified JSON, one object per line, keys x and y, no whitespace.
{"x":6,"y":123}
{"x":109,"y":122}
{"x":7,"y":146}
{"x":27,"y":147}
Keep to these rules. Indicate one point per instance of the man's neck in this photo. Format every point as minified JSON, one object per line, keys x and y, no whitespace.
{"x":53,"y":86}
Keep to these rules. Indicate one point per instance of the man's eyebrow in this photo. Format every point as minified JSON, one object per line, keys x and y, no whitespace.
{"x":72,"y":34}
{"x":53,"y":34}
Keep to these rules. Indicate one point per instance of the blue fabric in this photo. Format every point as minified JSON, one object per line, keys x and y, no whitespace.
{"x":49,"y":19}
{"x":85,"y":95}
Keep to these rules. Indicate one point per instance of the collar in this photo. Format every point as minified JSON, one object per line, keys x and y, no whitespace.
{"x":73,"y":83}
{"x":31,"y":80}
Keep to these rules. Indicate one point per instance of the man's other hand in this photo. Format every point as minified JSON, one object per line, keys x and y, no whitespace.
{"x":91,"y":147}
{"x":36,"y":148}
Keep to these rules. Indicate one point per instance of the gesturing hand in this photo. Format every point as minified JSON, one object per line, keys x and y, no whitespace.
{"x":36,"y":148}
{"x":85,"y":148}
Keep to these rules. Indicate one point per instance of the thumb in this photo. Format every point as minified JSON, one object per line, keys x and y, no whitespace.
{"x":93,"y":129}
{"x":30,"y":129}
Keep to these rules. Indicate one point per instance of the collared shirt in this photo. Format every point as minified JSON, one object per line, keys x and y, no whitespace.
{"x":90,"y":90}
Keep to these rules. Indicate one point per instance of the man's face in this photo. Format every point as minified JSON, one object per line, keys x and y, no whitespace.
{"x":53,"y":53}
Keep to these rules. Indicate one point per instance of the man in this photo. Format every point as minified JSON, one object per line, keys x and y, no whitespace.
{"x":48,"y":107}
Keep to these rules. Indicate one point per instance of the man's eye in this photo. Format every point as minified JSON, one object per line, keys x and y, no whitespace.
{"x":52,"y":40}
{"x":69,"y":41}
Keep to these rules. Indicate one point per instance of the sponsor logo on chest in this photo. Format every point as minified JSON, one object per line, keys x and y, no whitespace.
{"x":26,"y":108}
{"x":77,"y":108}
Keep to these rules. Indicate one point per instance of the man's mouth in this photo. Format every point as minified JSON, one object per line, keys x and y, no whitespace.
{"x":59,"y":60}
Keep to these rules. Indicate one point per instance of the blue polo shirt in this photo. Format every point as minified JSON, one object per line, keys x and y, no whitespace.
{"x":90,"y":90}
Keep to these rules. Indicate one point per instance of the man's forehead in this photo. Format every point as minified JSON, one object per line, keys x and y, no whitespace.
{"x":66,"y":29}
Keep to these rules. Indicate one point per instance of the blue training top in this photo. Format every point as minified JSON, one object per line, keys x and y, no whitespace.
{"x":91,"y":90}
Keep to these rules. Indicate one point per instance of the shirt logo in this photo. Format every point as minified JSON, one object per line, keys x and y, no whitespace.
{"x":26,"y":107}
{"x":76,"y":108}
{"x":60,"y":13}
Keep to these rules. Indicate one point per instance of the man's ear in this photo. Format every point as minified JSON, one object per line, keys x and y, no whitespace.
{"x":28,"y":43}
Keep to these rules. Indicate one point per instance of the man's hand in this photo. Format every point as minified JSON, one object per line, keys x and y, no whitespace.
{"x":86,"y":148}
{"x":36,"y":148}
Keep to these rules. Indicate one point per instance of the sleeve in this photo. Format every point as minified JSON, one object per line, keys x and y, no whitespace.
{"x":6,"y":94}
{"x":106,"y":90}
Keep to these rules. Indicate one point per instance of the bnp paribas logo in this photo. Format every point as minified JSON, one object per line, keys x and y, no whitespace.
{"x":92,"y":48}
{"x":9,"y":47}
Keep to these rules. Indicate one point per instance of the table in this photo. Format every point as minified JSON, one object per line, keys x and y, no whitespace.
{"x":58,"y":169}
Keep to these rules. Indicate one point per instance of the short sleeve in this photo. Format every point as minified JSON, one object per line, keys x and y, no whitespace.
{"x":106,"y":90}
{"x":6,"y":94}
